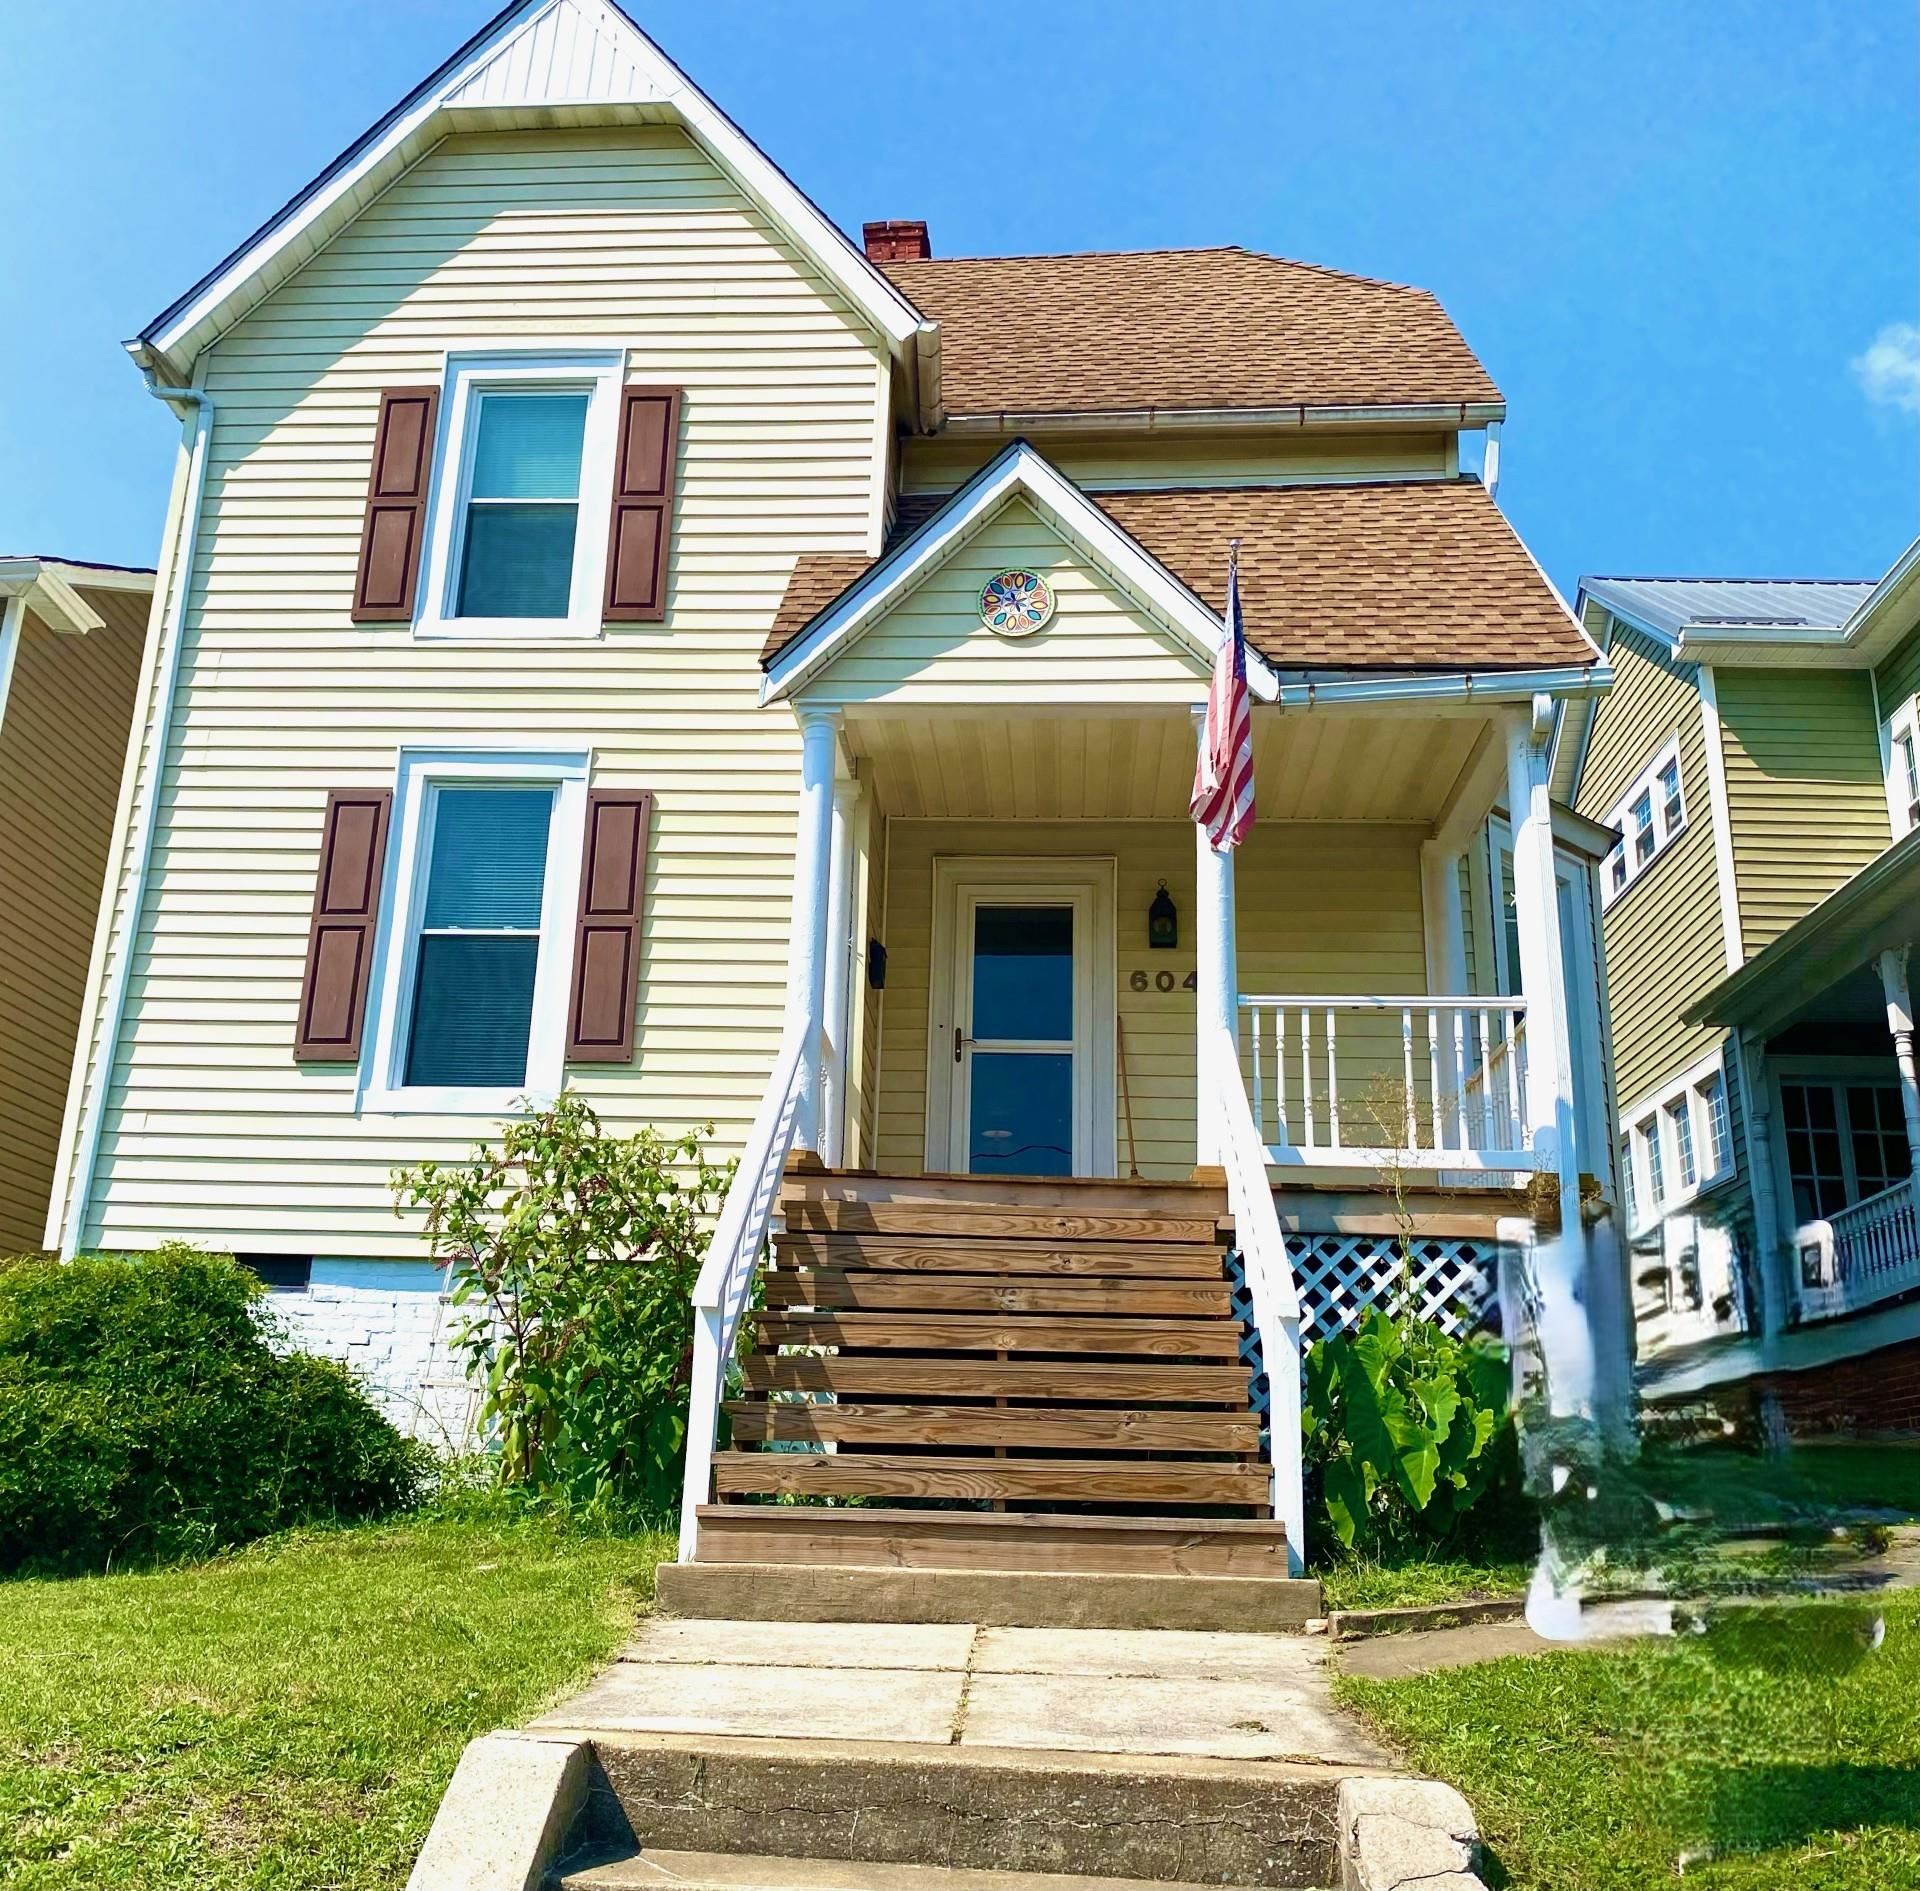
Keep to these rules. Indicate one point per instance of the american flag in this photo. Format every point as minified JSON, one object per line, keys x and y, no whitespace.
{"x":1223,"y":775}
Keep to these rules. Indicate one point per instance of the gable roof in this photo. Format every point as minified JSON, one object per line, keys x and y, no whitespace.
{"x":1202,"y":329}
{"x":572,"y":62}
{"x":1409,"y":575}
{"x":922,"y":547}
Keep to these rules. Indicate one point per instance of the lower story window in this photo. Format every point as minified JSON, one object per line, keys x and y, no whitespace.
{"x":479,"y":943}
{"x":1844,"y":1143}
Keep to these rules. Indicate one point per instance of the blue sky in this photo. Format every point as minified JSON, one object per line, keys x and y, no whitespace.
{"x":1682,"y":236}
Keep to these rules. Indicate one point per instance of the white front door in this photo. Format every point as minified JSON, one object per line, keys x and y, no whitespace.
{"x":1020,"y":1045}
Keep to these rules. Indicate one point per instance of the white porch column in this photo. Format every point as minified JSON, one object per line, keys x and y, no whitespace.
{"x":1217,"y":980}
{"x":1893,"y":981}
{"x":807,"y":951}
{"x":1444,"y":918}
{"x":1560,"y":1263}
{"x":838,"y":1002}
{"x":1772,"y":1245}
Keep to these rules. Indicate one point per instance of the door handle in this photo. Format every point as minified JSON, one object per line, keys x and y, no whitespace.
{"x":960,"y":1039}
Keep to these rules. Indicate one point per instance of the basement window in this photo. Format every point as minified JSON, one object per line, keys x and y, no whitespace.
{"x":280,"y":1273}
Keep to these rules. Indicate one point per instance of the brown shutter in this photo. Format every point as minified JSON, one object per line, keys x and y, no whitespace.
{"x":346,"y":907}
{"x":396,"y":524}
{"x":642,"y":533}
{"x":606,"y":947}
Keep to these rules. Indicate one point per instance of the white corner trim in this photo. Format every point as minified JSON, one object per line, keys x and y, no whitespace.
{"x":1019,"y":468}
{"x":1717,"y":807}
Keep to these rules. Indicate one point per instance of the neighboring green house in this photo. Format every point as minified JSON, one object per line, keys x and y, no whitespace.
{"x":1760,"y":760}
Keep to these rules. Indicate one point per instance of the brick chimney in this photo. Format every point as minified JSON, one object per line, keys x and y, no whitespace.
{"x":897,"y":242}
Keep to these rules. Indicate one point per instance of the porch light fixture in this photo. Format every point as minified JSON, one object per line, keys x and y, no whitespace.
{"x":1163,"y":921}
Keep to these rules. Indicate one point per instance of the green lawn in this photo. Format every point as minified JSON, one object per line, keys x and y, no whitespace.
{"x":287,"y":1716}
{"x":1779,"y":1749}
{"x":1361,"y":1582}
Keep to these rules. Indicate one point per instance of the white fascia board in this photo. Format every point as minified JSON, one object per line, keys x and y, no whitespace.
{"x":1070,"y":512}
{"x":48,"y":595}
{"x":1464,"y":688}
{"x":177,"y":336}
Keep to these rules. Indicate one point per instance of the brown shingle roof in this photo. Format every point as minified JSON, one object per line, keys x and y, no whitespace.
{"x":1418,"y":575}
{"x":1182,"y":328}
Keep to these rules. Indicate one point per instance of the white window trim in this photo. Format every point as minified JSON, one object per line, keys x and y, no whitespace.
{"x":599,"y":373}
{"x":1905,"y":721}
{"x":1647,"y":782}
{"x":1690,"y":1086}
{"x":383,"y":1090}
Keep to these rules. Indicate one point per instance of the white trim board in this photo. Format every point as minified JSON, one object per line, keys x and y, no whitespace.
{"x":1719,"y":810}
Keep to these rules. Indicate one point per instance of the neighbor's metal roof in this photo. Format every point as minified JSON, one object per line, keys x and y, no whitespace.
{"x":1668,"y":606}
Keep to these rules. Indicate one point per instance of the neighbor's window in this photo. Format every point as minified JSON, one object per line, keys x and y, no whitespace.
{"x":1629,"y":1182}
{"x":1680,"y":1121}
{"x":1649,"y":817}
{"x":1656,"y":1161}
{"x":1903,"y":768}
{"x":479,"y":943}
{"x":523,"y":492}
{"x":1713,"y":1093}
{"x":523,"y":505}
{"x":1685,"y":1138}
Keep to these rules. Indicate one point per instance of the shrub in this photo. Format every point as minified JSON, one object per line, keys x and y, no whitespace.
{"x":145,"y":1417}
{"x":573,"y":1255}
{"x":1406,"y":1430}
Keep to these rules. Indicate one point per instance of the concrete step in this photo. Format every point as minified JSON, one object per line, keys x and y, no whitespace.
{"x":1166,"y":1820}
{"x":739,"y":1871}
{"x":1003,"y":1598}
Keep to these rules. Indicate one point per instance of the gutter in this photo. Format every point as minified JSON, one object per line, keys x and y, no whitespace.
{"x":146,"y":814}
{"x":1468,"y":414}
{"x":1463,"y":687}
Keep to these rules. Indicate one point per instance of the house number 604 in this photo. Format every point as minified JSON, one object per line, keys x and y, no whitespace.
{"x":1164,"y":981}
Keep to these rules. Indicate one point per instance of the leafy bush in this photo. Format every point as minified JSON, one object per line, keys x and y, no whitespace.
{"x":1406,"y":1430}
{"x":145,"y":1417}
{"x":574,"y":1255}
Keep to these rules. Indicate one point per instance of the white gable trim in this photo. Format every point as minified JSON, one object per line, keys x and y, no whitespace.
{"x":48,"y":593}
{"x":1063,"y":506}
{"x":585,"y":58}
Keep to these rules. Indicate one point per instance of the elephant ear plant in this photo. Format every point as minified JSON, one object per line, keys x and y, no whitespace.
{"x":571,"y":1257}
{"x":1406,"y":1427}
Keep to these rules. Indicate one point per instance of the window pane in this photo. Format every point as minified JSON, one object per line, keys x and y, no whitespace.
{"x":1020,"y":1114}
{"x":1813,"y":1149}
{"x":1719,"y":1126}
{"x":518,"y":560}
{"x":472,"y":1010}
{"x":1670,"y":795}
{"x":1023,"y":972}
{"x":528,"y":446}
{"x":1681,"y":1116}
{"x":1656,"y":1161}
{"x":1643,"y":829}
{"x":489,"y":858}
{"x":1627,"y":1182}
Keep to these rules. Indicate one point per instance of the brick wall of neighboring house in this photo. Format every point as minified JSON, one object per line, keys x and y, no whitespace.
{"x":389,"y":1321}
{"x":1870,"y":1392}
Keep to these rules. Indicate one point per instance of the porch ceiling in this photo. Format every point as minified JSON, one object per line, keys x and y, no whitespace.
{"x":1331,"y":767}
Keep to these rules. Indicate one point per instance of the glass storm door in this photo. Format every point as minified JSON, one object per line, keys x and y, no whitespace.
{"x":1015,"y":1051}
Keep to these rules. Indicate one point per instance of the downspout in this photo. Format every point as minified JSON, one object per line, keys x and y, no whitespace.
{"x":146,"y":814}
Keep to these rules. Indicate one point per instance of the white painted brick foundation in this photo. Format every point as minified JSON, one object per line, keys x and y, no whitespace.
{"x":388,"y":1320}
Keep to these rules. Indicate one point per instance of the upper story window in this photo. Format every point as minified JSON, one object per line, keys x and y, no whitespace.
{"x":523,"y":493}
{"x":1678,"y":1144}
{"x":1649,"y":817}
{"x":472,"y":980}
{"x":1903,"y":767}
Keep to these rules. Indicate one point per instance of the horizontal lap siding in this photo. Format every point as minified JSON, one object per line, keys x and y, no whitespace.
{"x":62,"y":752}
{"x":1804,"y":789}
{"x":547,"y":240}
{"x":1321,"y":908}
{"x":1898,"y":677}
{"x":1663,"y":936}
{"x":932,"y":646}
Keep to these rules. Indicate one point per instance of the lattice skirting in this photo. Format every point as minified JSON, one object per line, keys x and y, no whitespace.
{"x":1452,"y":1282}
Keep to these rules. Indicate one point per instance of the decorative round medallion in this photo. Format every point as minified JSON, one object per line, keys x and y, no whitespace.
{"x":1016,"y":603}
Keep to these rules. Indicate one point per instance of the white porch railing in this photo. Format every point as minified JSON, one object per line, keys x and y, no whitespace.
{"x":1868,"y":1252}
{"x":725,"y":1287}
{"x":1270,"y":1285}
{"x":1433,"y":1083}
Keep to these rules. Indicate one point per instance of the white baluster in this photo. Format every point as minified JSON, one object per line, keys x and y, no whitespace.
{"x":1333,"y":1089}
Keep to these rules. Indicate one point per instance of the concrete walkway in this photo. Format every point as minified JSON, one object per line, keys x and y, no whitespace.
{"x":1158,"y":1691}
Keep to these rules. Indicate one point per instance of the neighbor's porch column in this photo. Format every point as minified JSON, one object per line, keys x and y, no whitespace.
{"x":837,"y":1012}
{"x":1560,"y":1263}
{"x":1217,"y":980}
{"x":1893,"y":981}
{"x":807,"y":951}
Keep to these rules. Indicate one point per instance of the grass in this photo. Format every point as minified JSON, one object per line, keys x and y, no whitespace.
{"x":1365,"y":1582}
{"x":1779,"y":1748}
{"x":287,"y":1716}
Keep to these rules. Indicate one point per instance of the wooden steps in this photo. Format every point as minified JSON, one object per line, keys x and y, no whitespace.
{"x":1047,"y":1354}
